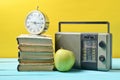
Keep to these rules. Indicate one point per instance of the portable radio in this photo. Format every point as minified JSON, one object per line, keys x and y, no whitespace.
{"x":92,"y":50}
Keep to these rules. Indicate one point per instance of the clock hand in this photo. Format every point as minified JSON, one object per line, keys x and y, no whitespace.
{"x":35,"y":22}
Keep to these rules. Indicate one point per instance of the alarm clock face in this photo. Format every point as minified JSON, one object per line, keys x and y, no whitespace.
{"x":36,"y":22}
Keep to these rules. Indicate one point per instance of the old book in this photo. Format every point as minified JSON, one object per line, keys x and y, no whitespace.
{"x":48,"y":60}
{"x":35,"y":67}
{"x":35,"y":48}
{"x":42,"y":64}
{"x":35,"y":55}
{"x":34,"y":39}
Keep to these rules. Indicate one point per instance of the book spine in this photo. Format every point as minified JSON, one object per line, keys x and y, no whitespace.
{"x":35,"y":68}
{"x":35,"y":49}
{"x":17,"y":40}
{"x":35,"y":61}
{"x":28,"y":55}
{"x":18,"y":67}
{"x":32,"y":44}
{"x":18,"y":54}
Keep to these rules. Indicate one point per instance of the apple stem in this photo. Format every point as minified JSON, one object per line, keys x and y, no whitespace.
{"x":61,"y":48}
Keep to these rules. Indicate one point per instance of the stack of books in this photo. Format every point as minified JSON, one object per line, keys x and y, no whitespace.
{"x":35,"y":53}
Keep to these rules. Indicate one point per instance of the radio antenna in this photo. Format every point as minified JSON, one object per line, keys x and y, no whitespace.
{"x":37,"y":4}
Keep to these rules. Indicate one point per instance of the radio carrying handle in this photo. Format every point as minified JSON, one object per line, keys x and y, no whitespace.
{"x":85,"y":22}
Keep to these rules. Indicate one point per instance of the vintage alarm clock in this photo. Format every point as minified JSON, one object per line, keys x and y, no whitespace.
{"x":36,"y":22}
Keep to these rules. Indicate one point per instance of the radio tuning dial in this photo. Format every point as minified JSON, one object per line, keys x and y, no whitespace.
{"x":102,"y":44}
{"x":102,"y":58}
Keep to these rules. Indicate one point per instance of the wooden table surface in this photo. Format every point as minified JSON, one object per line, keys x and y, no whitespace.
{"x":8,"y":71}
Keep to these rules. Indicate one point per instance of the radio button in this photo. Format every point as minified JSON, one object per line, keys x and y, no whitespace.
{"x":102,"y":44}
{"x":102,"y":58}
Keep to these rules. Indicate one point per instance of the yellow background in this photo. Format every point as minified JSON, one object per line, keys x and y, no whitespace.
{"x":13,"y":13}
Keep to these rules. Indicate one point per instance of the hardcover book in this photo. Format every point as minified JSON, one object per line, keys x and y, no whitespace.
{"x":35,"y":67}
{"x":34,"y":39}
{"x":35,"y":48}
{"x":35,"y":53}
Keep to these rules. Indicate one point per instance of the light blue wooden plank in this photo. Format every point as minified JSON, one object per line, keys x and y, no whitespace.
{"x":74,"y":72}
{"x":82,"y":75}
{"x":60,"y":78}
{"x":8,"y":60}
{"x":11,"y":63}
{"x":8,"y":71}
{"x":116,"y":63}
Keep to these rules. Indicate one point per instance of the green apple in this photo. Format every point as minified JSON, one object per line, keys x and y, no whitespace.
{"x":64,"y":60}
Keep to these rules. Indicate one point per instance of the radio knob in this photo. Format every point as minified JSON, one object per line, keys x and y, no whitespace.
{"x":102,"y":44}
{"x":102,"y":58}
